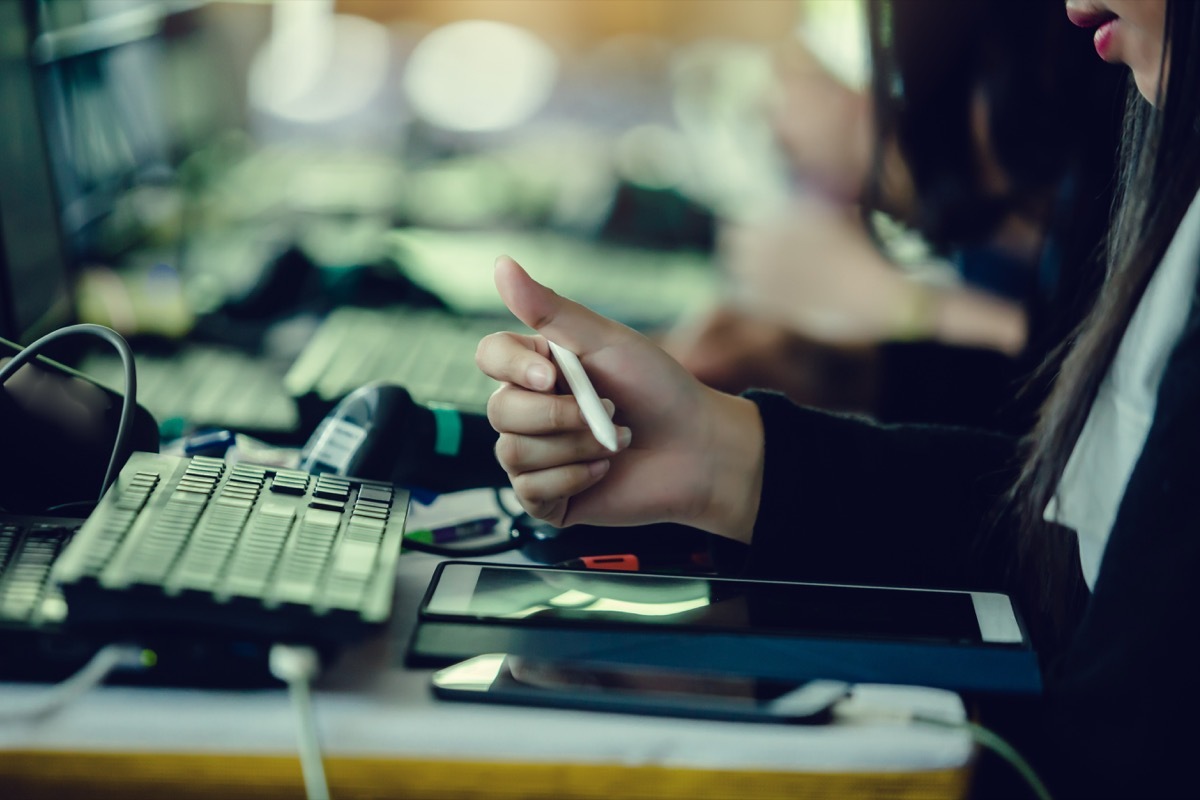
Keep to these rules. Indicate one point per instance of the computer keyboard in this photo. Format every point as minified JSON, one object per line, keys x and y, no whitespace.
{"x":430,"y":353}
{"x":28,"y":547}
{"x":644,"y":288}
{"x":195,"y":545}
{"x":208,"y":384}
{"x":34,"y":644}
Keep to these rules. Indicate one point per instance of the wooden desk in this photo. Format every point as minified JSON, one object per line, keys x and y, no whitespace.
{"x":385,"y":736}
{"x":184,"y":777}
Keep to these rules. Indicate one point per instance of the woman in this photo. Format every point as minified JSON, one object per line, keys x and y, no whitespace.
{"x":1092,"y":523}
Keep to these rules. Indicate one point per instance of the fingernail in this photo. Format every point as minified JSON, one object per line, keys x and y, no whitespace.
{"x":499,"y":258}
{"x":609,"y":406}
{"x":539,"y":377}
{"x":597,"y":468}
{"x":624,"y":436}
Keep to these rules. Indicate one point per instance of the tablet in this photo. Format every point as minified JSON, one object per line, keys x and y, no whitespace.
{"x":967,"y":641}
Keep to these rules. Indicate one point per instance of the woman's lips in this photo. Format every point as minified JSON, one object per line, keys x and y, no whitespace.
{"x":1089,"y":17}
{"x":1100,"y":19}
{"x":1104,"y":38}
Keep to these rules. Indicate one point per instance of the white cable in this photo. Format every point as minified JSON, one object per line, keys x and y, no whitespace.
{"x":984,"y":737}
{"x":988,"y":738}
{"x":297,"y":667}
{"x":89,"y":676}
{"x":129,"y":402}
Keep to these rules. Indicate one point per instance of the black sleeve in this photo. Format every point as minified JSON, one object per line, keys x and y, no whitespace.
{"x":930,"y":382}
{"x":847,"y":500}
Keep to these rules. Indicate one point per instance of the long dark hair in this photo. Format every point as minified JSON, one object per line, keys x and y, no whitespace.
{"x":1159,"y":178}
{"x":935,"y":63}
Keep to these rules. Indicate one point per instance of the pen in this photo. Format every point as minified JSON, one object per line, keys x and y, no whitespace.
{"x":462,"y":531}
{"x":589,"y":402}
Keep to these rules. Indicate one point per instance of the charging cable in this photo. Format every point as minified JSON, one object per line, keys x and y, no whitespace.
{"x":107,"y":660}
{"x":129,"y":402}
{"x":984,"y":737}
{"x":297,"y":667}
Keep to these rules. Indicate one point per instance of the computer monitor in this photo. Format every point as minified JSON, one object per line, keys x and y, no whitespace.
{"x":34,"y":267}
{"x":99,"y":103}
{"x":99,"y":72}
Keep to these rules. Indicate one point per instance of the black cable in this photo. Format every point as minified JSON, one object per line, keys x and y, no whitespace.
{"x":129,"y":403}
{"x":520,"y":529}
{"x":500,"y":504}
{"x":510,"y":542}
{"x":85,"y":506}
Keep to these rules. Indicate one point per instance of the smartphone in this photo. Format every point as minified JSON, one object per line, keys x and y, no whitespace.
{"x":636,"y":689}
{"x":958,"y":640}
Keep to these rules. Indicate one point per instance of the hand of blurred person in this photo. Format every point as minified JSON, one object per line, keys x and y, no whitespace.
{"x":687,"y":453}
{"x":822,"y":124}
{"x":816,"y":270}
{"x":734,"y":351}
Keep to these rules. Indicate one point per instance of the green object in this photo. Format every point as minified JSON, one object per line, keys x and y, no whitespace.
{"x":425,"y":536}
{"x":172,"y":428}
{"x":448,"y":438}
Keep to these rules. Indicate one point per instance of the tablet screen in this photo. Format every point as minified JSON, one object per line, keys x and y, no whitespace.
{"x":551,"y":596}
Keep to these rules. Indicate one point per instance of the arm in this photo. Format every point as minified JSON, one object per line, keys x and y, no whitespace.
{"x":738,"y":467}
{"x":877,"y":504}
{"x":815,"y":269}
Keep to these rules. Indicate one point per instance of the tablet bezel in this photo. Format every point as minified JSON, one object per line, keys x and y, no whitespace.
{"x":453,"y":584}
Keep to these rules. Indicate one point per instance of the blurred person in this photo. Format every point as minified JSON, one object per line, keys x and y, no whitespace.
{"x":1011,"y":185}
{"x":1089,"y":522}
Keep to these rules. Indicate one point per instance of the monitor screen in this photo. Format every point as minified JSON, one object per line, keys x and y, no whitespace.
{"x":99,"y":102}
{"x":34,"y":294}
{"x":99,"y":80}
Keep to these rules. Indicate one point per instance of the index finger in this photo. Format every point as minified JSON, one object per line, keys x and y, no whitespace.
{"x":516,"y":358}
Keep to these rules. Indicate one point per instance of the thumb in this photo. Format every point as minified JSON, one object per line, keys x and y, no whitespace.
{"x":562,"y":321}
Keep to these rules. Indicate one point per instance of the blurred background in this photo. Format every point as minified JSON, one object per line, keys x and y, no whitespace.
{"x":230,"y":173}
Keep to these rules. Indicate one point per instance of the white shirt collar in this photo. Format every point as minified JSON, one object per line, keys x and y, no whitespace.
{"x":1112,"y":438}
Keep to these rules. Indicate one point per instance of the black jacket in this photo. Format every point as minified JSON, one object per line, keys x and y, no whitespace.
{"x":848,"y":500}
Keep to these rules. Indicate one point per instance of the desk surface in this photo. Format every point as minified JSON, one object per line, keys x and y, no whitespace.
{"x":385,"y":735}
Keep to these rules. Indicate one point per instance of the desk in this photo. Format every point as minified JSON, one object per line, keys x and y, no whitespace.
{"x":385,"y":735}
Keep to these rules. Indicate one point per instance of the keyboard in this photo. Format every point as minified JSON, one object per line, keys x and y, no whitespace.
{"x":34,"y":643}
{"x":213,"y":385}
{"x":189,"y":546}
{"x":643,"y":288}
{"x":430,"y":353}
{"x":28,"y":548}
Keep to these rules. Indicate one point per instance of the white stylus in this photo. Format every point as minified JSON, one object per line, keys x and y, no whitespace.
{"x":585,"y":394}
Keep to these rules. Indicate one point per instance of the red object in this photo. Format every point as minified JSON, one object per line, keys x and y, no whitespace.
{"x":625,"y":562}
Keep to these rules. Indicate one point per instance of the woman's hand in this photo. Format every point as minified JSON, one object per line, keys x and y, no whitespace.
{"x":686,"y":454}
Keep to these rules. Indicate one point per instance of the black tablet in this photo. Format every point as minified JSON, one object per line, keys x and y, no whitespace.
{"x":969,"y":641}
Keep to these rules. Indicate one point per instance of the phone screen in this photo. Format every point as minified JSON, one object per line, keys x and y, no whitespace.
{"x":496,"y":677}
{"x":550,"y":596}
